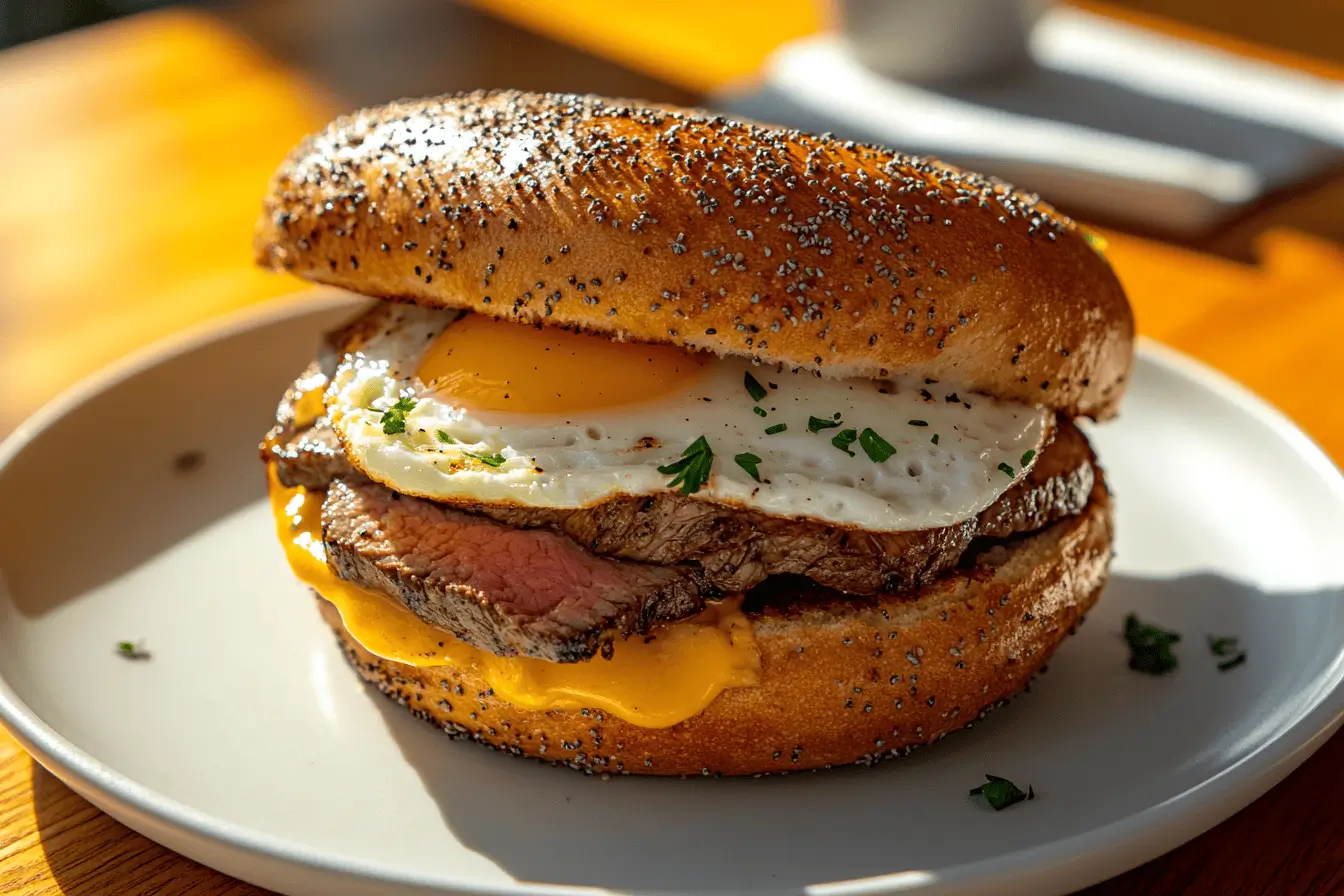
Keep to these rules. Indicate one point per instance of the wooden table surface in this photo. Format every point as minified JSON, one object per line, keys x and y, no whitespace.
{"x":132,"y":162}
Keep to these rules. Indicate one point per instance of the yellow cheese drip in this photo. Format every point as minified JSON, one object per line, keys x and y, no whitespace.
{"x":655,"y":683}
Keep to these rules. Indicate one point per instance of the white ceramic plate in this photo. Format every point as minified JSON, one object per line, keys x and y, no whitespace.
{"x":247,"y":744}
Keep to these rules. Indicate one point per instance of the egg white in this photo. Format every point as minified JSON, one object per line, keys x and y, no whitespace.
{"x":581,"y":458}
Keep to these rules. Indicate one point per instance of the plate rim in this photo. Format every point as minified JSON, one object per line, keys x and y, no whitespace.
{"x":1149,"y":833}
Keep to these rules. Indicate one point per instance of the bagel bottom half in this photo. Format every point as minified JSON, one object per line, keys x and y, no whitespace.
{"x":842,"y":681}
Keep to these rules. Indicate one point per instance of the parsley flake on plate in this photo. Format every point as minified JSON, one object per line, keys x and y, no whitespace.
{"x":692,"y":471}
{"x":1149,"y":647}
{"x":1026,"y":458}
{"x":132,"y":651}
{"x":877,"y":448}
{"x":1001,"y":793}
{"x":1228,"y":650}
{"x":748,"y":462}
{"x":758,"y":411}
{"x":778,"y":427}
{"x":394,"y":418}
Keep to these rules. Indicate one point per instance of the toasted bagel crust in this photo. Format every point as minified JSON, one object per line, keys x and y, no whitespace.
{"x":840,"y":683}
{"x":664,"y":225}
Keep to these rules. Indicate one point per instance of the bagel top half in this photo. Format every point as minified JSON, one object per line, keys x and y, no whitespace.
{"x":665,"y":225}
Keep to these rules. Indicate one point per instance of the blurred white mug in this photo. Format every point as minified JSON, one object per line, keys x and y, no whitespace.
{"x":940,"y":40}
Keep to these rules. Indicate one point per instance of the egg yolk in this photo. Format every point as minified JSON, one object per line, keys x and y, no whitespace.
{"x":653,"y":682}
{"x":493,"y":365}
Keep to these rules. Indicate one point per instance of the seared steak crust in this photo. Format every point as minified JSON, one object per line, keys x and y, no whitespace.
{"x":309,"y":457}
{"x":302,"y":444}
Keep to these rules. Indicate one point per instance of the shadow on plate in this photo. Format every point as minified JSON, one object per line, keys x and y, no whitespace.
{"x":182,"y":434}
{"x":555,"y":826}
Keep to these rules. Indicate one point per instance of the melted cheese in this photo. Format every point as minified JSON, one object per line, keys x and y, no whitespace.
{"x":308,"y":406}
{"x":654,"y":682}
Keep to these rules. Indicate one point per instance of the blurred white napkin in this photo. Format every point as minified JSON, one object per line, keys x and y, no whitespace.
{"x":1115,"y":120}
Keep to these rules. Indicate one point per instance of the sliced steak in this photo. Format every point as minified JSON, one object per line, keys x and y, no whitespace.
{"x":1058,"y":486}
{"x":509,"y":591}
{"x":302,"y":444}
{"x":311,"y":458}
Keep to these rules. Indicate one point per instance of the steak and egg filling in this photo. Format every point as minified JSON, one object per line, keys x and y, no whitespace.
{"x":593,"y":524}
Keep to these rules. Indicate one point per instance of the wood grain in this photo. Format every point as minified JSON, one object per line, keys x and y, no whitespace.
{"x":131,"y":166}
{"x":52,"y":841}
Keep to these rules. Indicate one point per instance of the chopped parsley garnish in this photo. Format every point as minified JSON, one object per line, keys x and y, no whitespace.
{"x":1001,"y":793}
{"x":394,"y":418}
{"x":1229,"y":650}
{"x":1005,"y":468}
{"x":758,"y":411}
{"x":877,"y":448}
{"x":749,"y":463}
{"x":919,"y":422}
{"x":778,"y":427}
{"x":844,"y":438}
{"x":934,"y":440}
{"x":131,"y":650}
{"x":444,"y":437}
{"x":490,"y":460}
{"x":1149,"y":647}
{"x":692,"y":471}
{"x":1026,"y":458}
{"x":817,"y":424}
{"x":754,"y":388}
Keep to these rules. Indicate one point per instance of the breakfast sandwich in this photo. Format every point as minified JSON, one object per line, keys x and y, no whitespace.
{"x":679,"y":445}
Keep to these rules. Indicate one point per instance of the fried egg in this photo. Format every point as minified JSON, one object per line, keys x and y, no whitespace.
{"x":463,"y":408}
